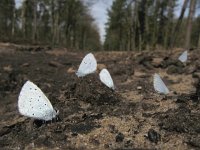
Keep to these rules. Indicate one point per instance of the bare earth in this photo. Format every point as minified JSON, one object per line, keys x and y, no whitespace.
{"x":93,"y":116}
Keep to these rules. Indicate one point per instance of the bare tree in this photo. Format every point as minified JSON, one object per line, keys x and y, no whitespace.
{"x":13,"y":20}
{"x":198,"y":42}
{"x":23,"y":18}
{"x":189,"y":24}
{"x":34,"y":34}
{"x":178,"y":24}
{"x":169,"y":26}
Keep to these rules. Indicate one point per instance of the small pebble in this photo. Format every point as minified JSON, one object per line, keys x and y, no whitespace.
{"x":119,"y":137}
{"x":153,"y":136}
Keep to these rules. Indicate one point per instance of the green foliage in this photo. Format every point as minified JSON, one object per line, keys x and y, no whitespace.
{"x":196,"y":33}
{"x":132,"y":24}
{"x":118,"y":26}
{"x":145,"y":24}
{"x":6,"y":18}
{"x":57,"y":23}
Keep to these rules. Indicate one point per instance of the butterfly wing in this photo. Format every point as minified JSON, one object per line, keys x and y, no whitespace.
{"x":183,"y":56}
{"x":87,"y":66}
{"x":159,"y":85}
{"x":106,"y":78}
{"x":33,"y":103}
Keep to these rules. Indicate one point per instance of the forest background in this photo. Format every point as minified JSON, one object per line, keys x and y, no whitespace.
{"x":132,"y":25}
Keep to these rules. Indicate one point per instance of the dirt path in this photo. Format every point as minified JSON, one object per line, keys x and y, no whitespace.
{"x":93,"y":116}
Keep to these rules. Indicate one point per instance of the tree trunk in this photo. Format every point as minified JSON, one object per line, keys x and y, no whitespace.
{"x":34,"y":34}
{"x":189,"y":24}
{"x":13,"y":23}
{"x":24,"y":19}
{"x":155,"y":25}
{"x":134,"y":26}
{"x":130,"y":39}
{"x":146,"y":33}
{"x":178,"y":24}
{"x":138,"y":36}
{"x":169,"y":26}
{"x":198,"y":46}
{"x":57,"y":28}
{"x":120,"y":47}
{"x":53,"y":21}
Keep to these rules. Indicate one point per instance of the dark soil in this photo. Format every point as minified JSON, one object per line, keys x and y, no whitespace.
{"x":92,"y":116}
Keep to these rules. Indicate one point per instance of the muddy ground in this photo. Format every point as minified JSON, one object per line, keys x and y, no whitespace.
{"x":93,"y":116}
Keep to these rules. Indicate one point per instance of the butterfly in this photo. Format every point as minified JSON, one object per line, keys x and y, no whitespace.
{"x":33,"y":103}
{"x":183,"y":56}
{"x":105,"y":78}
{"x":87,"y":66}
{"x":159,"y":85}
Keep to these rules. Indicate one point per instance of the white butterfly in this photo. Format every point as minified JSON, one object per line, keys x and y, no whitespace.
{"x":183,"y":56}
{"x":106,"y":78}
{"x":159,"y":85}
{"x":87,"y":66}
{"x":33,"y":103}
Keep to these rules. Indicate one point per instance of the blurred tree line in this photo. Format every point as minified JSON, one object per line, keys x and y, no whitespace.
{"x":53,"y":22}
{"x":132,"y":24}
{"x":152,"y":24}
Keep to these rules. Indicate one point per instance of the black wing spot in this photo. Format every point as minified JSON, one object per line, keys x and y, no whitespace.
{"x":35,"y":89}
{"x":39,"y":96}
{"x":45,"y":104}
{"x":33,"y":114}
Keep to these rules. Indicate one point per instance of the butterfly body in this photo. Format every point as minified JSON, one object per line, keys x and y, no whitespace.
{"x":183,"y":57}
{"x":33,"y":103}
{"x":87,"y":66}
{"x":159,"y":85}
{"x":106,"y":78}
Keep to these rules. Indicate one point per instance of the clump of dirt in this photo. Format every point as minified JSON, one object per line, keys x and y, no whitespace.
{"x":145,"y":60}
{"x":90,"y":89}
{"x":175,"y":70}
{"x":153,"y":136}
{"x":146,"y":85}
{"x":194,"y":141}
{"x":34,"y":48}
{"x":184,"y":98}
{"x":198,"y":90}
{"x":195,"y":97}
{"x":181,"y":120}
{"x":30,"y":136}
{"x":168,"y":61}
{"x":76,"y":117}
{"x":11,"y":80}
{"x":126,"y":69}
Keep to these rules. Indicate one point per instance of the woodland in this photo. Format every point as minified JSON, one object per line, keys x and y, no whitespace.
{"x":133,"y":25}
